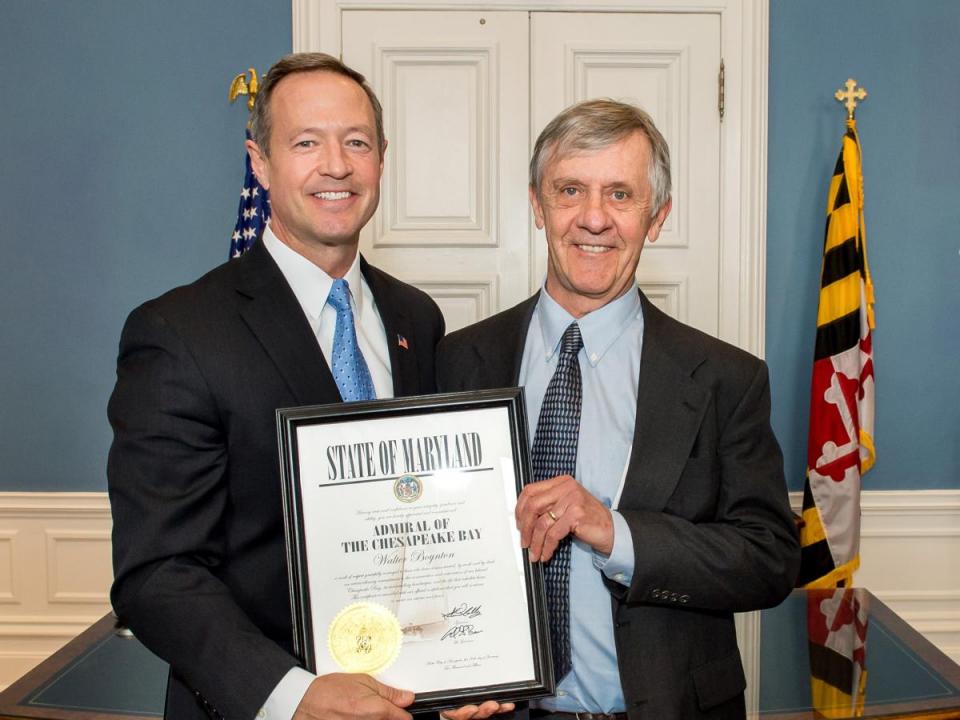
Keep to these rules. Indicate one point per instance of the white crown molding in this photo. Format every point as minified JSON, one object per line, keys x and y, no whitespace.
{"x":904,"y":505}
{"x":308,"y":6}
{"x":314,"y":26}
{"x":46,"y":504}
{"x":41,"y":626}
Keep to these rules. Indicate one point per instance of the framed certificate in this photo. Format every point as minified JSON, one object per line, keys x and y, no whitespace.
{"x":404,"y":557}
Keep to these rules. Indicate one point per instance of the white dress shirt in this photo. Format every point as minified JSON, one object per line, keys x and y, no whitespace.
{"x":312,"y":285}
{"x":610,"y":370}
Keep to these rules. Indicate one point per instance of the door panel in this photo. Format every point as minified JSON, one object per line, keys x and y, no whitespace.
{"x":667,"y":64}
{"x":453,"y":214}
{"x":466,"y":93}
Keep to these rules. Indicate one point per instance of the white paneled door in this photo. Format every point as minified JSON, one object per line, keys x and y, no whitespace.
{"x":453,"y":215}
{"x":666,"y":64}
{"x":466,"y":93}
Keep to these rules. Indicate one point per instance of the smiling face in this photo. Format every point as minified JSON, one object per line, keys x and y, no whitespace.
{"x":323,"y":168}
{"x":595,"y":207}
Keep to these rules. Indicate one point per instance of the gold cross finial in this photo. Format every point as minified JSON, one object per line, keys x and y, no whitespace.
{"x":850,"y":96}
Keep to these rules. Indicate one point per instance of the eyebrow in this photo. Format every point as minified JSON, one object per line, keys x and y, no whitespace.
{"x":615,"y":185}
{"x":324,"y":131}
{"x":561,"y":182}
{"x":317,"y":132}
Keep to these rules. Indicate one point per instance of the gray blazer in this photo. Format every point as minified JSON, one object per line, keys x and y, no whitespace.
{"x":705,"y":499}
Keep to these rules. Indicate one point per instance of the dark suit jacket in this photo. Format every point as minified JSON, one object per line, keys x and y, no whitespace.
{"x":704,"y":497}
{"x":194,"y":476}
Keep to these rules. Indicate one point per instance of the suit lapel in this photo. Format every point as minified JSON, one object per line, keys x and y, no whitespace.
{"x":500,"y":360}
{"x":275,"y":317}
{"x":398,"y":329}
{"x":670,"y":408}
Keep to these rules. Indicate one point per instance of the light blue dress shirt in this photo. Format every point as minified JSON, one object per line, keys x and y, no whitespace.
{"x":610,"y":368}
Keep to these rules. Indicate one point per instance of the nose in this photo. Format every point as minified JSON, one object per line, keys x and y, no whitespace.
{"x":333,"y":161}
{"x":593,"y":215}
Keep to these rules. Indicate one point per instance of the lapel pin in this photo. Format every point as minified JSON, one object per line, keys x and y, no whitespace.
{"x":402,"y":342}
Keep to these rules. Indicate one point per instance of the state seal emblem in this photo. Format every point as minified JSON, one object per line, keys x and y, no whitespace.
{"x":408,"y":488}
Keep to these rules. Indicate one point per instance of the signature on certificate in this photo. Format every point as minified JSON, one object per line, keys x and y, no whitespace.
{"x":460,"y":630}
{"x":464,"y":610}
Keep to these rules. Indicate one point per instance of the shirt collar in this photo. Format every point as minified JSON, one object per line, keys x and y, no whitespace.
{"x":599,"y":329}
{"x":309,"y":283}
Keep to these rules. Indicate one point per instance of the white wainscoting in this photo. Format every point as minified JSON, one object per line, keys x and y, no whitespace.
{"x":55,"y":573}
{"x":55,"y":567}
{"x":910,"y":558}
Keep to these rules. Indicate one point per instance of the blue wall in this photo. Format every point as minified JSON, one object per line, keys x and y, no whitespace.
{"x":119,"y":179}
{"x":906,"y":55}
{"x":123,"y":160}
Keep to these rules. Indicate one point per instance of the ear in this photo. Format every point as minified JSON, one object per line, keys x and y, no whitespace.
{"x":654,"y":232}
{"x":259,"y":163}
{"x":537,"y":209}
{"x":386,"y":144}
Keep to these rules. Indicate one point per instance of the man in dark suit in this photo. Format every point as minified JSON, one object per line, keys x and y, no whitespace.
{"x":194,"y":470}
{"x":660,"y":507}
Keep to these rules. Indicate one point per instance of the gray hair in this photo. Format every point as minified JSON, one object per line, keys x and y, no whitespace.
{"x":597,"y":124}
{"x":260,"y":121}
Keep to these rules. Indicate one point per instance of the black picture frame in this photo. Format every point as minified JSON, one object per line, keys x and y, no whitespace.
{"x":339,"y":417}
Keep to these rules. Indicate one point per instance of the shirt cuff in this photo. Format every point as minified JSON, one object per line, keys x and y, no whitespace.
{"x":286,"y":696}
{"x":619,"y":564}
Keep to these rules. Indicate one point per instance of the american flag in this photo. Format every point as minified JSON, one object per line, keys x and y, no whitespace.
{"x":253,"y":213}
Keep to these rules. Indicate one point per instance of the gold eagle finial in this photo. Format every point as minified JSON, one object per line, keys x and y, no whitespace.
{"x":241,"y":86}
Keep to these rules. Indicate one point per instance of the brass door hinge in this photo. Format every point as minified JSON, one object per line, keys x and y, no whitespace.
{"x":720,"y":82}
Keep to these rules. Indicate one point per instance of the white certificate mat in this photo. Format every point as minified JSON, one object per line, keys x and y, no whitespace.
{"x":407,"y":557}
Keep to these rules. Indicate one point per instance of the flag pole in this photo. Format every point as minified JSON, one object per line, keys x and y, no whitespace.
{"x":254,"y":209}
{"x":840,"y":441}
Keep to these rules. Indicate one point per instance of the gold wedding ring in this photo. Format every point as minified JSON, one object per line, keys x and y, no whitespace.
{"x":552,"y":516}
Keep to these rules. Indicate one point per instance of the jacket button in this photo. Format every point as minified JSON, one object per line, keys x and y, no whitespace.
{"x":656,"y":593}
{"x":684,"y":598}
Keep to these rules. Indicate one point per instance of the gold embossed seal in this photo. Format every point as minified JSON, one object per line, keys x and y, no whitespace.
{"x":364,"y":637}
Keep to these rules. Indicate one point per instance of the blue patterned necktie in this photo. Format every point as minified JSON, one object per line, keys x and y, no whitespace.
{"x":350,"y":370}
{"x":555,"y":453}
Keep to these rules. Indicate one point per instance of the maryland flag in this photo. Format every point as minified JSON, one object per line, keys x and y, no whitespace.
{"x":837,"y":636}
{"x":840,"y":445}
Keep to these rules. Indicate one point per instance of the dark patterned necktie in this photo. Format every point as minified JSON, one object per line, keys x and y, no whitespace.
{"x":555,"y":453}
